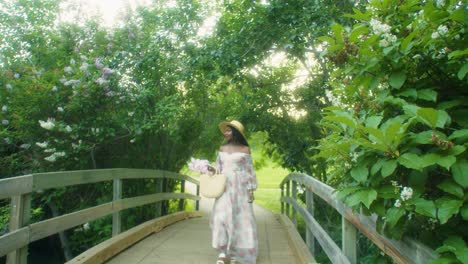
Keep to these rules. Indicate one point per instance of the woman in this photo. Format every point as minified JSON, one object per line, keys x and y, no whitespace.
{"x":232,"y":222}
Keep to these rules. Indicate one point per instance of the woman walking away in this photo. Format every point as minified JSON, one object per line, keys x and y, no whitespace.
{"x":233,"y":226}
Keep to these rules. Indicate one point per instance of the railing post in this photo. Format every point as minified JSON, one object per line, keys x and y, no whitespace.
{"x":116,"y":216}
{"x":310,"y":240}
{"x":294,"y":196}
{"x":349,"y":240}
{"x":19,"y":217}
{"x":288,"y":192}
{"x":282,"y":196}
{"x":182,"y":190}
{"x":159,"y":189}
{"x":197,"y":202}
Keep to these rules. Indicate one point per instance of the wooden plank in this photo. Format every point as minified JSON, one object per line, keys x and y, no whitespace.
{"x":19,"y":217}
{"x":14,"y":240}
{"x":349,"y":240}
{"x":54,"y":225}
{"x":300,"y":249}
{"x":151,"y":198}
{"x":116,"y":216}
{"x":67,"y":178}
{"x":310,"y":241}
{"x":111,"y":247}
{"x":328,"y":245}
{"x":403,"y":251}
{"x":16,"y":186}
{"x":294,"y":196}
{"x":182,"y":190}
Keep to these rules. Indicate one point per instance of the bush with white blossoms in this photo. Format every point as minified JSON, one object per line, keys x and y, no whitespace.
{"x":411,"y":135}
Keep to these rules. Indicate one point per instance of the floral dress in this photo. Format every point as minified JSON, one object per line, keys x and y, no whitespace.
{"x":232,"y":222}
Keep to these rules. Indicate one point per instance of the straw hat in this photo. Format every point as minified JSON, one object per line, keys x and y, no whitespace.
{"x":235,"y":124}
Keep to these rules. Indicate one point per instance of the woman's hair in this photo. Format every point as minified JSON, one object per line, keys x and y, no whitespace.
{"x":237,"y":137}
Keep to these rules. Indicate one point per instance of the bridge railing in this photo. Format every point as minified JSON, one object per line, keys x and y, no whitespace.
{"x":14,"y":244}
{"x":405,"y":251}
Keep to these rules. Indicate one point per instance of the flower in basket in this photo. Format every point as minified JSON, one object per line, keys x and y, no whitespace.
{"x":198,"y":165}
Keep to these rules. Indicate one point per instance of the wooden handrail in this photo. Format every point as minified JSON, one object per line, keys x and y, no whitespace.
{"x":405,"y":251}
{"x":20,"y":188}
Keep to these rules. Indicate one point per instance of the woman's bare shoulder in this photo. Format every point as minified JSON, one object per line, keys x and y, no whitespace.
{"x":244,"y":149}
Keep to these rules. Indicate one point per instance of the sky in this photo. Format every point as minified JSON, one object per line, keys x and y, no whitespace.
{"x":107,"y":10}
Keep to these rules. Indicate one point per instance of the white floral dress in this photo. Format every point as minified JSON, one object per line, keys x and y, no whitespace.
{"x":233,"y":225}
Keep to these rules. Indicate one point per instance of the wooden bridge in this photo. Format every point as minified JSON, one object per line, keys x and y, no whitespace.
{"x":184,"y":237}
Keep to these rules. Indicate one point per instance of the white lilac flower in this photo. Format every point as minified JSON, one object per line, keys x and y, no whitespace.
{"x":440,"y":3}
{"x":131,"y":113}
{"x":54,"y":89}
{"x":101,"y":81}
{"x":17,"y":75}
{"x":132,"y":140}
{"x":25,"y":146}
{"x":9,"y":87}
{"x":71,"y":82}
{"x":68,"y":69}
{"x":4,"y":108}
{"x":406,"y":193}
{"x":5,"y":122}
{"x":354,"y":156}
{"x":59,"y":154}
{"x":98,"y":63}
{"x":7,"y":140}
{"x":75,"y":146}
{"x":49,"y":124}
{"x":42,"y":144}
{"x":435,"y":35}
{"x":383,"y":43}
{"x":106,"y":72}
{"x":397,"y":203}
{"x":68,"y":129}
{"x":443,"y":30}
{"x":51,"y":158}
{"x":72,"y":62}
{"x":51,"y":150}
{"x":84,"y":66}
{"x":378,"y":27}
{"x":60,"y":109}
{"x":457,"y":37}
{"x":86,"y":226}
{"x":83,"y":57}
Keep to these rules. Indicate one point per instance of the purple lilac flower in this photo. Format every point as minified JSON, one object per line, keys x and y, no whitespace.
{"x":198,"y":165}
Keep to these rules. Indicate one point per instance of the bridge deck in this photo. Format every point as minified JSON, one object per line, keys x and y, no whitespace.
{"x":189,"y":242}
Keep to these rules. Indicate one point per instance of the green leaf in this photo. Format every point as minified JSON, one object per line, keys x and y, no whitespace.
{"x":328,"y":39}
{"x":393,"y":215}
{"x":397,"y":79}
{"x":343,"y":120}
{"x":456,"y":245}
{"x":365,"y":196}
{"x":377,"y":166}
{"x":449,"y":186}
{"x":446,"y":208}
{"x":375,"y":135}
{"x":462,"y":133}
{"x":458,"y":53}
{"x":425,"y":207}
{"x":337,"y":32}
{"x":422,"y":137}
{"x":357,"y":31}
{"x":443,"y":260}
{"x":428,"y":95}
{"x":456,"y":150}
{"x":391,"y":132}
{"x":462,"y":72}
{"x":388,"y":192}
{"x":360,"y":173}
{"x":411,"y":161}
{"x":443,"y":119}
{"x":446,"y":161}
{"x":464,"y":212}
{"x":458,"y":15}
{"x":412,"y":93}
{"x":388,"y":168}
{"x":460,"y":172}
{"x":406,"y":44}
{"x":428,"y":116}
{"x":373,"y":121}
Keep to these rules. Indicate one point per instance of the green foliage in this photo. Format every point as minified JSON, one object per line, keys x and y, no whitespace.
{"x":395,"y":133}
